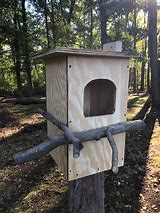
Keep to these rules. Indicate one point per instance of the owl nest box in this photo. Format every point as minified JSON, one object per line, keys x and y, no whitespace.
{"x":86,"y":89}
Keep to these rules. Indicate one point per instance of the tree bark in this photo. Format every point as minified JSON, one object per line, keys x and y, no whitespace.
{"x":142,"y":75}
{"x":143,"y":66}
{"x":134,"y":47}
{"x":148,"y":69}
{"x":91,"y":28}
{"x":16,"y":54}
{"x":117,"y":27}
{"x":46,"y":23}
{"x":148,"y":78}
{"x":155,"y":76}
{"x":103,"y":20}
{"x":87,"y":194}
{"x":53,"y":24}
{"x":144,"y":59}
{"x":27,"y":61}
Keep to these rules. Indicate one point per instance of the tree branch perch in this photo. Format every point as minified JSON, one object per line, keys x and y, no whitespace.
{"x":54,"y":141}
{"x":77,"y":146}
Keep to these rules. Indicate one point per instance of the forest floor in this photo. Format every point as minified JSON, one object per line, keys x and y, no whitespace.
{"x":38,"y":186}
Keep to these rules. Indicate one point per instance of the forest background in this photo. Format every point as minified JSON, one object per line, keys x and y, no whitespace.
{"x":27,"y":27}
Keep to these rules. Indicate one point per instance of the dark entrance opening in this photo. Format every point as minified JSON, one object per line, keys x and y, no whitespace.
{"x":99,"y":97}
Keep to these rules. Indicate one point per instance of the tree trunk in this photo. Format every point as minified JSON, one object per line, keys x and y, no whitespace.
{"x":155,"y":81}
{"x":86,"y":195}
{"x":148,"y":70}
{"x":91,"y":28}
{"x":134,"y":47}
{"x":142,"y":75}
{"x":134,"y":76}
{"x":143,"y":66}
{"x":103,"y":20}
{"x":46,"y":23}
{"x":148,"y":78}
{"x":117,"y":27}
{"x":53,"y":24}
{"x":144,"y":59}
{"x":16,"y":55}
{"x":27,"y":61}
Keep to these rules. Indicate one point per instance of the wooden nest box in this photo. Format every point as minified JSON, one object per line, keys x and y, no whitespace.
{"x":86,"y":89}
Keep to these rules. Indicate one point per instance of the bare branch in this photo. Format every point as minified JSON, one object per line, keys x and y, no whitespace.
{"x":77,"y":146}
{"x":114,"y":152}
{"x":93,"y":134}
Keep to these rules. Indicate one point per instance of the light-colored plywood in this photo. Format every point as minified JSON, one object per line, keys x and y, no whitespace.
{"x":56,"y":89}
{"x":96,"y":155}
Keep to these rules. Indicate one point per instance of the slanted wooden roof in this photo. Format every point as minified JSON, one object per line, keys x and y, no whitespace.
{"x":82,"y":52}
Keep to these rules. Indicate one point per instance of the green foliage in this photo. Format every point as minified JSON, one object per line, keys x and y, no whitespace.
{"x":7,"y":79}
{"x":66,"y":23}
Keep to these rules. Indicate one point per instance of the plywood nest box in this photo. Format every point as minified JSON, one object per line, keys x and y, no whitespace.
{"x":85,"y":90}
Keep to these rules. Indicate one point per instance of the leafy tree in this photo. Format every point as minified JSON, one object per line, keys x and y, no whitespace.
{"x":29,"y":26}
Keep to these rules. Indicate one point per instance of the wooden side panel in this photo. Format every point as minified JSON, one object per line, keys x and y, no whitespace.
{"x":96,"y":156}
{"x":56,"y":89}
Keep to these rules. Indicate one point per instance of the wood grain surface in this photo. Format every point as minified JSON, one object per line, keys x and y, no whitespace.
{"x":56,"y":89}
{"x":96,"y":155}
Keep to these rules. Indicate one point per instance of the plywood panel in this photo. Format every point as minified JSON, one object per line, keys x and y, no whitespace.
{"x":96,"y":156}
{"x":56,"y":89}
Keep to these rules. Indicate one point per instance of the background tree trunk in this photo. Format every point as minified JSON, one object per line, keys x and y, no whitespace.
{"x":103,"y":20}
{"x":86,"y":195}
{"x":27,"y":61}
{"x":143,"y":65}
{"x":117,"y":28}
{"x":144,"y":48}
{"x":46,"y":23}
{"x":91,"y":28}
{"x":53,"y":24}
{"x":16,"y":55}
{"x":134,"y":47}
{"x":142,"y":75}
{"x":148,"y":70}
{"x":155,"y":76}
